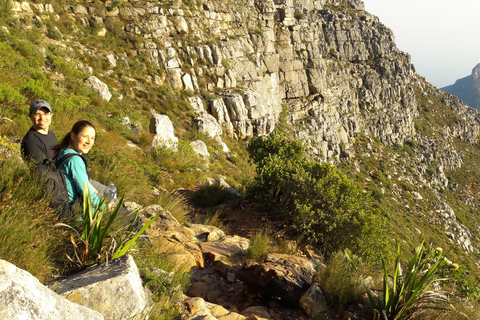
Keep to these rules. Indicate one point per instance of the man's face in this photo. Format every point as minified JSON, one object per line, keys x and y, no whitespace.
{"x":41,"y":120}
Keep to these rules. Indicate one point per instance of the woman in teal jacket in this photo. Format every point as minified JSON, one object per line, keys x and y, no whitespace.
{"x":79,"y":140}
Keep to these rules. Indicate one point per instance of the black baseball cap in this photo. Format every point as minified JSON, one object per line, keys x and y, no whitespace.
{"x":38,"y":104}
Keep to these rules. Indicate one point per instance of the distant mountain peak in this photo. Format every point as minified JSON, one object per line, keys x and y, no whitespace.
{"x":468,"y":88}
{"x":476,"y":72}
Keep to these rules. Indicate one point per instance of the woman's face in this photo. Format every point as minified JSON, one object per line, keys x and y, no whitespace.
{"x":83,"y":141}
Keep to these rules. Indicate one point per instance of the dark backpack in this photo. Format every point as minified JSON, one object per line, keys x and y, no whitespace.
{"x":55,"y":182}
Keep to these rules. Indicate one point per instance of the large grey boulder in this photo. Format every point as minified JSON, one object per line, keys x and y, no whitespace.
{"x":200,"y":148}
{"x":99,"y":87}
{"x":114,"y":289}
{"x":162,"y":128}
{"x":22,"y":296}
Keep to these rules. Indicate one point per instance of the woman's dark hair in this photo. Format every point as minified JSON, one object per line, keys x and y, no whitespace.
{"x":76,"y":129}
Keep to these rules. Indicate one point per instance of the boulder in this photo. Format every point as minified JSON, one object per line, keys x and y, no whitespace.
{"x":200,"y":148}
{"x":313,"y":302}
{"x":99,"y":87}
{"x":114,"y":289}
{"x":259,"y":312}
{"x":219,"y":182}
{"x":224,"y":248}
{"x":206,"y":233}
{"x":197,"y":309}
{"x":162,"y":128}
{"x":22,"y":296}
{"x":283,"y":276}
{"x":207,"y":124}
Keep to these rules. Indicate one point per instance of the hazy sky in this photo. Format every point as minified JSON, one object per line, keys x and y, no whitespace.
{"x":442,"y":36}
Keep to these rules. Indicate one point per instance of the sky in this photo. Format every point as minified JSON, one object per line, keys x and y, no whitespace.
{"x":441,"y":36}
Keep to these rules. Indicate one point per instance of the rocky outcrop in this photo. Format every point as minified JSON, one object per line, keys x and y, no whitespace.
{"x":326,"y":68}
{"x":22,"y":296}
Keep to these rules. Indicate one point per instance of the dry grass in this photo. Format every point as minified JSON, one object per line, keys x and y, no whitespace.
{"x":173,"y":204}
{"x":28,"y":238}
{"x":340,"y":281}
{"x":260,"y":246}
{"x":455,"y":310}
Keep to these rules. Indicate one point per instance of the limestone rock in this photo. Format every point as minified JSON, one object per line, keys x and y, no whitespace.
{"x":114,"y":289}
{"x":22,"y":296}
{"x":200,"y":148}
{"x":162,"y":128}
{"x":99,"y":87}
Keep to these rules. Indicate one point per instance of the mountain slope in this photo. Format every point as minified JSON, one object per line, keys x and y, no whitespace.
{"x":327,"y":71}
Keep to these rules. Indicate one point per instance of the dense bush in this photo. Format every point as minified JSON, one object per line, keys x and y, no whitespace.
{"x":5,"y":10}
{"x":320,"y":203}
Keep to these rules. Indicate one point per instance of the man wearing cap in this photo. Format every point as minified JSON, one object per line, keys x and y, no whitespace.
{"x":38,"y":142}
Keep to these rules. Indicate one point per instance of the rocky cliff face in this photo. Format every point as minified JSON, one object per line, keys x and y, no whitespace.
{"x":331,"y":67}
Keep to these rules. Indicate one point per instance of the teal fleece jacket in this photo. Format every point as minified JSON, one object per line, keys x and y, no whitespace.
{"x":76,"y":177}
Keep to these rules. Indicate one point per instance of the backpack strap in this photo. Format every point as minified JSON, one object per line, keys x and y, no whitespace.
{"x":61,"y":161}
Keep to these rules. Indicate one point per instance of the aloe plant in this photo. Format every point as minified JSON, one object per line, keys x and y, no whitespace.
{"x":97,"y":242}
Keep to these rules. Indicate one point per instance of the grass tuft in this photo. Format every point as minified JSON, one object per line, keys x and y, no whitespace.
{"x":260,"y":247}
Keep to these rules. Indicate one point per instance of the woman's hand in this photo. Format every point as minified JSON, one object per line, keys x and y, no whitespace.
{"x":111,"y":205}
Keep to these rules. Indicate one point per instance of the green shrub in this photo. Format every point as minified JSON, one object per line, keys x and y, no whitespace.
{"x":321,"y":204}
{"x":299,"y":14}
{"x":5,"y":10}
{"x":54,"y":33}
{"x":183,"y":159}
{"x":211,"y":195}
